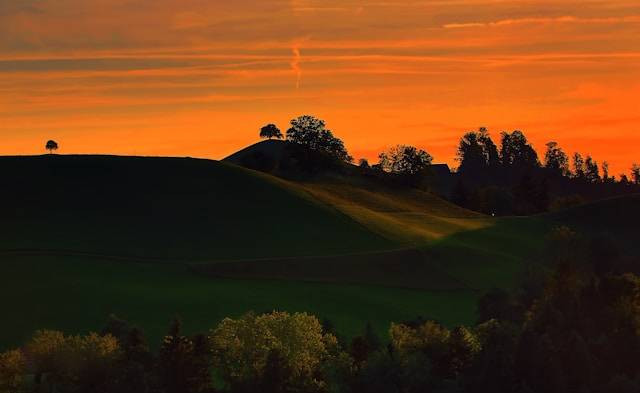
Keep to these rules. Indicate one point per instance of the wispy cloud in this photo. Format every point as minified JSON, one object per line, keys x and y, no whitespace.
{"x":560,"y":19}
{"x":295,"y":64}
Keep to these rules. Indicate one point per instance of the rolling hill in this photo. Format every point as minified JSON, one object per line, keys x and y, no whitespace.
{"x":86,"y":236}
{"x":165,"y":209}
{"x":149,"y":238}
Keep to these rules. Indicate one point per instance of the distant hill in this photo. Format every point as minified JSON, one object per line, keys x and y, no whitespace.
{"x":271,"y":149}
{"x":292,"y":161}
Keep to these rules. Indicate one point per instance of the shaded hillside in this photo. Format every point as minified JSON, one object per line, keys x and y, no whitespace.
{"x":165,"y":208}
{"x":617,"y":217}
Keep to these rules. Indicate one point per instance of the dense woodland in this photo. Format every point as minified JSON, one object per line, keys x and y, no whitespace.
{"x":572,"y":325}
{"x":513,"y":179}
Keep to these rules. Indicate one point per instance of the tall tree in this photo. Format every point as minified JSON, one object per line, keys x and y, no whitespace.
{"x":635,"y":173}
{"x":591,"y":172}
{"x":516,"y":153}
{"x":477,"y":153}
{"x":605,"y":172}
{"x":556,"y":160}
{"x":489,"y":148}
{"x":578,"y":166}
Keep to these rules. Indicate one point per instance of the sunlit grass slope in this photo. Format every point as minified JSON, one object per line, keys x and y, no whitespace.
{"x":407,"y":216}
{"x":166,"y":208}
{"x":443,"y":246}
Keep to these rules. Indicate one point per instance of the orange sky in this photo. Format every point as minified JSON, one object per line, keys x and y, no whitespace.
{"x":199,"y":78}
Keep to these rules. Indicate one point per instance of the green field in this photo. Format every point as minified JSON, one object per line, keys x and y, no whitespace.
{"x":76,"y":294}
{"x":150,"y":238}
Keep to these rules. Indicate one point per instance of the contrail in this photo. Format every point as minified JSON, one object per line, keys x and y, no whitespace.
{"x":295,"y":65}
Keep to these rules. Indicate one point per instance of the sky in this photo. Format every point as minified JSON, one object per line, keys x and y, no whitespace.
{"x":200,"y":77}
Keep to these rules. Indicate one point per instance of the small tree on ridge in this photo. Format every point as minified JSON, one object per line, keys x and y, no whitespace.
{"x":270,"y":131}
{"x":51,"y":146}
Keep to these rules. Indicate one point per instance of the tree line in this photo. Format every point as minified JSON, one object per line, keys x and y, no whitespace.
{"x":512,"y":179}
{"x":572,"y":325}
{"x":501,"y":179}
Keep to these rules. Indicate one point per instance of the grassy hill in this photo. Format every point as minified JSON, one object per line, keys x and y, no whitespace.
{"x":86,"y":236}
{"x":149,"y":238}
{"x":167,"y":209}
{"x":451,"y":247}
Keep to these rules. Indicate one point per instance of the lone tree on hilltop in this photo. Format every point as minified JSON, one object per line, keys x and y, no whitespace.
{"x":51,"y":146}
{"x":270,"y":131}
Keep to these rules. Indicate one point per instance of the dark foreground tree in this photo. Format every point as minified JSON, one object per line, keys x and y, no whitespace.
{"x":51,"y":146}
{"x":184,"y":365}
{"x":270,"y":131}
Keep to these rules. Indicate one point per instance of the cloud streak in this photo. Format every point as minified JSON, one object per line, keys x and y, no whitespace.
{"x":533,"y":21}
{"x":295,"y":64}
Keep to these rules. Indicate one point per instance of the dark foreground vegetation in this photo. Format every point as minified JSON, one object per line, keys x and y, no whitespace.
{"x":573,"y":325}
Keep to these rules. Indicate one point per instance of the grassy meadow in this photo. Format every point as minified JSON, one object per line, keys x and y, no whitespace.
{"x":150,"y":238}
{"x":76,"y":294}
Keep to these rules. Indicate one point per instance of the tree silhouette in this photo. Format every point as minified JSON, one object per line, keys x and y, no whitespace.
{"x":51,"y":146}
{"x":635,"y":173}
{"x":405,"y":160}
{"x":477,"y":153}
{"x":578,"y":166}
{"x":270,"y":131}
{"x":516,"y":152}
{"x":592,"y":172}
{"x":556,"y":160}
{"x":311,"y":132}
{"x":605,"y":173}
